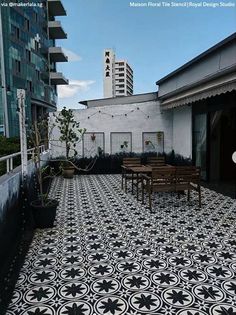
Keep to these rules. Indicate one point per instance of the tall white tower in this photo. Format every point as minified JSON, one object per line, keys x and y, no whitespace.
{"x":117,"y":77}
{"x":108,"y":76}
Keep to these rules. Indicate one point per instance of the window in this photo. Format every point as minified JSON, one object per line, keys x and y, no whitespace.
{"x":121,"y":69}
{"x":27,"y":24}
{"x":16,"y":31}
{"x":37,"y":74}
{"x":35,"y":16}
{"x":16,"y":66}
{"x":29,"y":86}
{"x":28,"y":55}
{"x":36,"y":45}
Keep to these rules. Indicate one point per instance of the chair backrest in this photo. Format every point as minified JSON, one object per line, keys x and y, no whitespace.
{"x":131,"y":161}
{"x":190,"y":174}
{"x":163,"y":175}
{"x":156,"y":161}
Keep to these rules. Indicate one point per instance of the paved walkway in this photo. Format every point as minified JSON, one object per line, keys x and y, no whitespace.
{"x":109,"y":255}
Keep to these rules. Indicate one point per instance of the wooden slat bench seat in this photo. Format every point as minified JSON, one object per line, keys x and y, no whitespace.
{"x":171,"y":179}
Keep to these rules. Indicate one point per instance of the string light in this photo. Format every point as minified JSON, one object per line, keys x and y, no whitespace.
{"x":118,"y":115}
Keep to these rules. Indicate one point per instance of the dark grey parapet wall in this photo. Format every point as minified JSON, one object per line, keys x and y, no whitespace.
{"x":10,"y":185}
{"x":16,"y":227}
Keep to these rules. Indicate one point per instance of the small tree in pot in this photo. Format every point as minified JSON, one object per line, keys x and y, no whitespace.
{"x":70,"y":135}
{"x":44,"y":208}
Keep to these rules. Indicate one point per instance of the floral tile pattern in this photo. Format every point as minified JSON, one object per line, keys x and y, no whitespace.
{"x":108,"y":255}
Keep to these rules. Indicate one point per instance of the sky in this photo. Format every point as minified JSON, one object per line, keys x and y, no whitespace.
{"x":154,"y":41}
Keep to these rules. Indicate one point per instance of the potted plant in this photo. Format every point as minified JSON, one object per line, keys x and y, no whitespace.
{"x":149,"y":143}
{"x":159,"y":136}
{"x":44,"y":208}
{"x":124,"y":145}
{"x":70,"y":135}
{"x":93,"y":137}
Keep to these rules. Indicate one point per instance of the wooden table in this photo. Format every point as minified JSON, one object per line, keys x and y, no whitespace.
{"x":137,"y":170}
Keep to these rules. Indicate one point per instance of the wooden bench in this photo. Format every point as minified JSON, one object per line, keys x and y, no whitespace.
{"x":126,"y":173}
{"x":171,"y":179}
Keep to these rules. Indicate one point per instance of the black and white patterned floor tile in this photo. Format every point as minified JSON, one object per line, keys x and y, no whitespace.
{"x":108,"y":255}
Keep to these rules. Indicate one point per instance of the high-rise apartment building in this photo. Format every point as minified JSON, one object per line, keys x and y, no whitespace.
{"x":118,"y":76}
{"x":29,"y":55}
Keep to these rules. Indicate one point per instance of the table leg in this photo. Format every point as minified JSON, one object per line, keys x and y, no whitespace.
{"x":132,"y":182}
{"x":137,"y":186}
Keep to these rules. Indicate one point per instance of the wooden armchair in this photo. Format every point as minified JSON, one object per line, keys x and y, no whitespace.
{"x":126,"y":174}
{"x":188,"y":178}
{"x":162,"y":179}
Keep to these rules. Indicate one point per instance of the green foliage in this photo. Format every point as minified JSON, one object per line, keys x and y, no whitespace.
{"x":7,"y":147}
{"x":70,"y":130}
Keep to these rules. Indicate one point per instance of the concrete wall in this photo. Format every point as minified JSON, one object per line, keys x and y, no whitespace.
{"x":182,"y":130}
{"x":218,"y":61}
{"x":136,"y":122}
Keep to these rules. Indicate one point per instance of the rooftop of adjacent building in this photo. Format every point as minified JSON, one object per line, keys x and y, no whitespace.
{"x":137,"y":98}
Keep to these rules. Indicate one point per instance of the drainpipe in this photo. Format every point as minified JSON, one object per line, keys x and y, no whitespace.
{"x":3,"y":80}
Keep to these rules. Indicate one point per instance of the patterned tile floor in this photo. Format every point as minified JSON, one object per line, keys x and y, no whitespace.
{"x":109,"y":255}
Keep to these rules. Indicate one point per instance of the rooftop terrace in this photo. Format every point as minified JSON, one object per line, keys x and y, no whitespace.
{"x":107,"y":254}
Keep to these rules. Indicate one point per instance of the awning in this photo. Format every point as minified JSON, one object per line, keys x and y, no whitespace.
{"x":209,"y":89}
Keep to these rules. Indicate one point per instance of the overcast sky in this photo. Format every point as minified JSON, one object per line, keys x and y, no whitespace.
{"x":155,"y":41}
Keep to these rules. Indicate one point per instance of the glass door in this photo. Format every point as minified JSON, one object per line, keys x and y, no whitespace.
{"x":200,"y":143}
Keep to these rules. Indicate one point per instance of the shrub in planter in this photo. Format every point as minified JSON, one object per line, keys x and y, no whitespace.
{"x":43,"y":208}
{"x":70,"y":135}
{"x":111,"y":164}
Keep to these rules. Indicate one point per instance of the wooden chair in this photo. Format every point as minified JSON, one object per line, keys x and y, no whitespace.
{"x":126,"y":174}
{"x":188,"y":178}
{"x":162,"y":179}
{"x":156,"y":161}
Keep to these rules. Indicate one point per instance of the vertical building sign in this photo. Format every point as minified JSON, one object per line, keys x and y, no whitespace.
{"x":108,"y":78}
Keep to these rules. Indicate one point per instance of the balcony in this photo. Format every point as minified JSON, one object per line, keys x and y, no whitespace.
{"x":57,"y":54}
{"x":56,"y":8}
{"x":57,"y":78}
{"x":56,"y":31}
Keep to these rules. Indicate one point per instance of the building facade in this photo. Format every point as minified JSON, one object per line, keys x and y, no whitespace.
{"x":202,"y":97}
{"x":28,"y":60}
{"x":117,"y":76}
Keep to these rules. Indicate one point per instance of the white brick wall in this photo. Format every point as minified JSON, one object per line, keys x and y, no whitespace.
{"x":135,"y":122}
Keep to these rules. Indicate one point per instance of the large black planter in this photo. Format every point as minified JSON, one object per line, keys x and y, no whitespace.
{"x":44,"y":216}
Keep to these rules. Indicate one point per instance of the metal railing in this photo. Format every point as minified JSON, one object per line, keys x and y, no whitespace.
{"x":9,"y":158}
